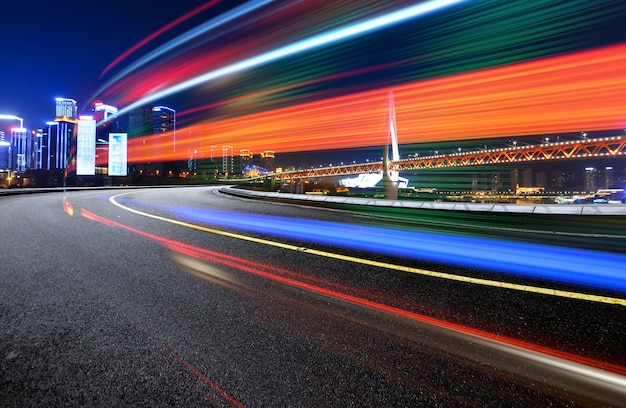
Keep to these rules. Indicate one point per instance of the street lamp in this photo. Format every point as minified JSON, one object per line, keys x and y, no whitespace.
{"x":159,"y":109}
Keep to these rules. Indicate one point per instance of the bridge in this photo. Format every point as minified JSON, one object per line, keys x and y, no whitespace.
{"x":566,"y":150}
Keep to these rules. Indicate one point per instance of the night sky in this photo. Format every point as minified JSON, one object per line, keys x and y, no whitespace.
{"x":332,"y":96}
{"x":59,"y":48}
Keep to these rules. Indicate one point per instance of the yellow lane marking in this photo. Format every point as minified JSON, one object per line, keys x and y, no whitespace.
{"x":385,"y":265}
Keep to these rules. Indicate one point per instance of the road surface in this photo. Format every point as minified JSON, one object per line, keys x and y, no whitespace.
{"x":188,"y":297}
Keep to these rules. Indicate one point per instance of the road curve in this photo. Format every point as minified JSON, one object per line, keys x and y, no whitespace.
{"x":142,"y":297}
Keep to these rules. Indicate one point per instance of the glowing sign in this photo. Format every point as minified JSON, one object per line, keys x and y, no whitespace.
{"x":86,"y":147}
{"x":118,"y":154}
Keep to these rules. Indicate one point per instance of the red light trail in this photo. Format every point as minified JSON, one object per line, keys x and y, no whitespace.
{"x":271,"y":273}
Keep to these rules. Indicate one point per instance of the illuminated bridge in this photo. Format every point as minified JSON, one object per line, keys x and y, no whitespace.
{"x":567,"y":150}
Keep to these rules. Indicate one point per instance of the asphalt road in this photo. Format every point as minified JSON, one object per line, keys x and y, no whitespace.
{"x":170,"y":297}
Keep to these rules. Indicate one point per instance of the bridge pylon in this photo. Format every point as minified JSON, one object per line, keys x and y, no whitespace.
{"x":391,"y":176}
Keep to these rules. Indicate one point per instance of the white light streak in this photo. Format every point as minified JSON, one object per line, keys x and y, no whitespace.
{"x":188,"y":36}
{"x":333,"y":36}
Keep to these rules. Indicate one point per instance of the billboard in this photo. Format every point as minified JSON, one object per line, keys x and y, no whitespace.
{"x":118,"y":154}
{"x":86,"y":146}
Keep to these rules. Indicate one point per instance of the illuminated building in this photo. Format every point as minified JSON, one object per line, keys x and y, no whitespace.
{"x":212,"y":153}
{"x":267,"y":160}
{"x":106,"y":119}
{"x":608,"y":177}
{"x":245,"y":159}
{"x":22,"y":147}
{"x":7,"y":150}
{"x":37,"y":153}
{"x":140,"y":127}
{"x":103,"y":112}
{"x":227,"y":160}
{"x":66,"y":108}
{"x":140,"y":122}
{"x":164,"y":120}
{"x":164,"y":130}
{"x":55,"y":139}
{"x":590,"y":179}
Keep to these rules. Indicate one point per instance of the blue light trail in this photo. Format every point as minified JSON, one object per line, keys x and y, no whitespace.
{"x":586,"y":268}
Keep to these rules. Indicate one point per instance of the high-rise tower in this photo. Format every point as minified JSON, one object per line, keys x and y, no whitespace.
{"x":267,"y":160}
{"x":227,"y":160}
{"x":245,"y":159}
{"x":66,"y":108}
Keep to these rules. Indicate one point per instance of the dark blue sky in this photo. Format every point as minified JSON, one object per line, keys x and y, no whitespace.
{"x":58,"y":49}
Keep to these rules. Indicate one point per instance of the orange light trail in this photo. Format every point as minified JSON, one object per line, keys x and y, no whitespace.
{"x":582,"y":91}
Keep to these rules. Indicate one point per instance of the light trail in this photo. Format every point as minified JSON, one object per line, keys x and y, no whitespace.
{"x":586,"y":268}
{"x":228,"y":399}
{"x":157,"y":33}
{"x":560,"y":94}
{"x":333,"y":36}
{"x":453,"y":87}
{"x":179,"y":41}
{"x":570,"y":367}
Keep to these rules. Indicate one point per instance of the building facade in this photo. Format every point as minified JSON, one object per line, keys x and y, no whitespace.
{"x":66,"y":108}
{"x":268,"y":160}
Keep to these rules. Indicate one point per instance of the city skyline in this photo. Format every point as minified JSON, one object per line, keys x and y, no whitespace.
{"x":99,"y":63}
{"x":62,"y":50}
{"x":232,"y":81}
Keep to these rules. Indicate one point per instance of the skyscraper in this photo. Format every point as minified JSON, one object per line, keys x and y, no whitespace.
{"x":140,"y":127}
{"x":227,"y":160}
{"x":86,"y":146}
{"x":103,"y":112}
{"x":267,"y":160}
{"x":106,"y":119}
{"x":140,"y":122}
{"x":66,"y":108}
{"x":55,"y":140}
{"x":245,"y":159}
{"x":164,"y":120}
{"x":22,"y":147}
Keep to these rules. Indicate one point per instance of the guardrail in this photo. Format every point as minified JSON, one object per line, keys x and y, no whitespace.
{"x":546,"y":209}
